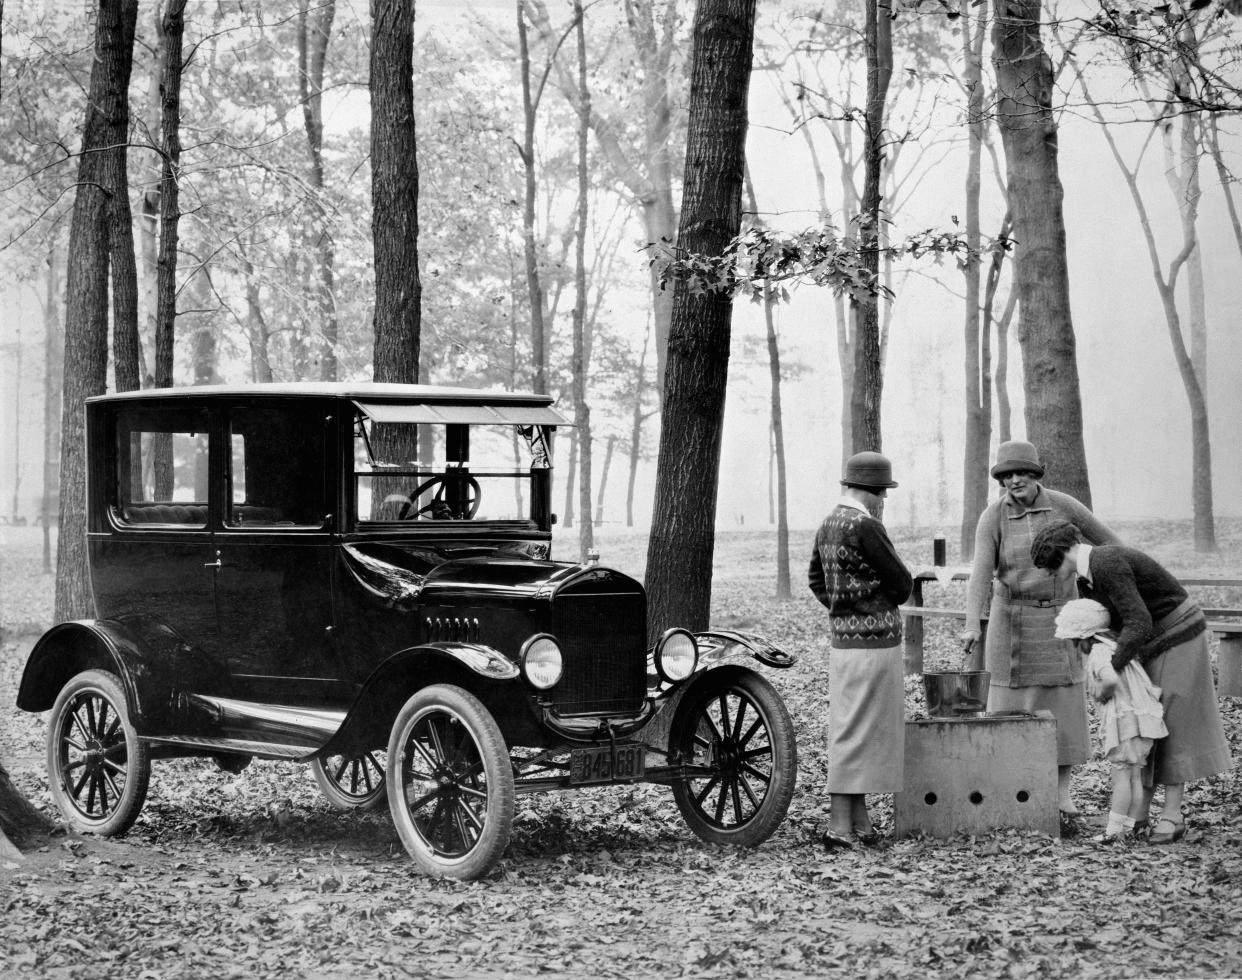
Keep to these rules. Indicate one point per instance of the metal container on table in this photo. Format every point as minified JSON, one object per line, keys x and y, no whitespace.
{"x":956,"y":693}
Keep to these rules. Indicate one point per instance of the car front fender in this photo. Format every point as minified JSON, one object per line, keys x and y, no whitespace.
{"x":400,"y":675}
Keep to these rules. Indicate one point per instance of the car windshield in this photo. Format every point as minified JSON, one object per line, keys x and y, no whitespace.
{"x":445,"y":472}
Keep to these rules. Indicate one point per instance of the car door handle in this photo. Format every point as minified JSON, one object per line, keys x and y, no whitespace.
{"x":214,"y":564}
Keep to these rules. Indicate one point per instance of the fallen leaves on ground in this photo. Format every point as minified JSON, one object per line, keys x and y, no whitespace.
{"x":253,"y":875}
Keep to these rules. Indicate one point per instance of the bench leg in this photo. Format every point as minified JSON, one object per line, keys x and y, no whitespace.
{"x":1229,"y":666}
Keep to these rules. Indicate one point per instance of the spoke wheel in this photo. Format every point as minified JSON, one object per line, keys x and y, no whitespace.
{"x":734,"y":727}
{"x":97,"y":767}
{"x":450,"y":783}
{"x":352,"y":782}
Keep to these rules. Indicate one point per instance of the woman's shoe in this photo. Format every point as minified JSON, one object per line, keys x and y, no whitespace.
{"x":867,"y":838}
{"x":1175,"y":832}
{"x":833,"y":841}
{"x":1142,"y":829}
{"x":1071,"y":825}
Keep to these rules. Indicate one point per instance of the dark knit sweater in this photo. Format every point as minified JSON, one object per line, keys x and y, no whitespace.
{"x":1137,"y":591}
{"x":856,"y":573}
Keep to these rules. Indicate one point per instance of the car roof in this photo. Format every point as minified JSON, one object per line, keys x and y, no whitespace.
{"x":380,"y":402}
{"x":354,"y":390}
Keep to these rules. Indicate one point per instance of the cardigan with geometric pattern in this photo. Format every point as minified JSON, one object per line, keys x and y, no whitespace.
{"x":856,"y":573}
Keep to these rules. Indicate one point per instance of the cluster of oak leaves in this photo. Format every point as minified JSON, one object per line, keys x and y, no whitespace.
{"x":253,"y":875}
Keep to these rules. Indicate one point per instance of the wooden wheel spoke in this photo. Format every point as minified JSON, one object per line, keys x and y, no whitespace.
{"x":750,"y":793}
{"x":739,"y":719}
{"x":744,"y":740}
{"x":707,"y":788}
{"x":737,"y":799}
{"x":723,"y":704}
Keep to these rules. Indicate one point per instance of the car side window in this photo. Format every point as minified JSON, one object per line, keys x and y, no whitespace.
{"x":277,"y":468}
{"x":161,"y":469}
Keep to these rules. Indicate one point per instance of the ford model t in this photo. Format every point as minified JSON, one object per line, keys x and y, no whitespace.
{"x":359,"y":577}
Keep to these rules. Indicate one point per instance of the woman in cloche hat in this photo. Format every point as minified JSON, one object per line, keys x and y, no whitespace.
{"x":1031,"y":669}
{"x":856,"y":573}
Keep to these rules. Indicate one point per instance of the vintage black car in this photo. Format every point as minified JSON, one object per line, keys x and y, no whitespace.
{"x":358,"y":576}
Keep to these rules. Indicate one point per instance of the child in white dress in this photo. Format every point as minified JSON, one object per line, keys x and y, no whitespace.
{"x":1130,"y":716}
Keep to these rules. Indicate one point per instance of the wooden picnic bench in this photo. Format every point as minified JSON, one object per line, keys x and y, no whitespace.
{"x":1225,"y":623}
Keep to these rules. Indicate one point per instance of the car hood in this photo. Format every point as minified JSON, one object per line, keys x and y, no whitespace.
{"x":401,"y":580}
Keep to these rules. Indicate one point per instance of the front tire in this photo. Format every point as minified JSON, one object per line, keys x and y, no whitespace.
{"x":450,"y":783}
{"x":352,"y":783}
{"x":97,"y":767}
{"x":734,"y":730}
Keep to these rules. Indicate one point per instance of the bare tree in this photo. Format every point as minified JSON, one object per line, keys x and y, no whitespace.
{"x":1024,"y":80}
{"x":314,"y":33}
{"x":86,"y":303}
{"x":394,"y":192}
{"x":682,"y":542}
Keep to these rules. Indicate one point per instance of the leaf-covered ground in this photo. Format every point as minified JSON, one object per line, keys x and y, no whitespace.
{"x":252,"y":875}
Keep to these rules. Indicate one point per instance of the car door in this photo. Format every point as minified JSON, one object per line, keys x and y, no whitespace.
{"x":152,"y":546}
{"x":274,"y":583}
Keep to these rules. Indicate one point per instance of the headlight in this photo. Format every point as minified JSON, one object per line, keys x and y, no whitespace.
{"x":541,"y":661}
{"x":676,"y":655}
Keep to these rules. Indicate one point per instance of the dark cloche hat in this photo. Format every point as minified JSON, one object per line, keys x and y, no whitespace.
{"x":871,"y":471}
{"x":1014,"y":456}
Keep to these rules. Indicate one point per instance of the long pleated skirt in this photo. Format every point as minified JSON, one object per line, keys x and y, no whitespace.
{"x":1195,"y":746}
{"x":866,"y":721}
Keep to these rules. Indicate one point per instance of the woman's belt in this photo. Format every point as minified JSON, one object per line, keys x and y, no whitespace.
{"x":1001,"y":591}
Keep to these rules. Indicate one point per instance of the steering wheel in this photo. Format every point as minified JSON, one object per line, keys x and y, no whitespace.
{"x":438,"y":507}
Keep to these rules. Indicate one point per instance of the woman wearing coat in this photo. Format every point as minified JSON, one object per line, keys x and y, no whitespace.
{"x":1031,"y":670}
{"x":1161,"y":627}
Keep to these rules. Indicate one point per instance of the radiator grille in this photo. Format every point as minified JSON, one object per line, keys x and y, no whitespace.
{"x":603,"y":641}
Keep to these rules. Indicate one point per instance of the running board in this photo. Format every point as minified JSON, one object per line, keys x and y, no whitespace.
{"x":285,"y":727}
{"x":232,"y":746}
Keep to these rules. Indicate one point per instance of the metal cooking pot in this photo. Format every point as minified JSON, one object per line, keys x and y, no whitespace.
{"x":954,"y":693}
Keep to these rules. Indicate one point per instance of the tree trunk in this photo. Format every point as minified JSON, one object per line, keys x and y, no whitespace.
{"x":581,"y":355}
{"x":976,"y":328}
{"x":314,"y":33}
{"x":115,"y":176}
{"x":86,"y":299}
{"x":778,"y":446}
{"x":394,"y":193}
{"x":603,"y":480}
{"x":20,"y":822}
{"x":867,"y":430}
{"x":530,"y":104}
{"x":682,"y":542}
{"x":53,"y":361}
{"x":172,"y":33}
{"x":1045,"y":328}
{"x":636,"y":426}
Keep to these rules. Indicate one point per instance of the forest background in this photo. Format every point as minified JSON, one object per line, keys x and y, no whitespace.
{"x":258,"y":219}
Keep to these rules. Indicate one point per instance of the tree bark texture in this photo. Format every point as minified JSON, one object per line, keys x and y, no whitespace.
{"x":865,"y":415}
{"x":314,"y":33}
{"x":976,"y":329}
{"x":530,"y":104}
{"x":682,"y":542}
{"x":20,"y":822}
{"x":53,"y":365}
{"x":394,"y":192}
{"x":1045,"y":328}
{"x":581,"y":355}
{"x":86,"y":298}
{"x":115,"y":176}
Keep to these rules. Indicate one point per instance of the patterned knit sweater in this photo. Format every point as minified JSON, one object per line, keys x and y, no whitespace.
{"x":856,"y":573}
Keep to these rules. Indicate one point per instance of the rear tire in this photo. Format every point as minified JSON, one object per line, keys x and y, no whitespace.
{"x":450,"y":783}
{"x":98,"y":769}
{"x":733,"y":726}
{"x":356,"y":783}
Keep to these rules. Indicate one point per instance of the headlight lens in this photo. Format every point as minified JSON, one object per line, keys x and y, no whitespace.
{"x":541,"y":661}
{"x":676,"y":655}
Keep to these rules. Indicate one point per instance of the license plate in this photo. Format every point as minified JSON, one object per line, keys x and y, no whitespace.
{"x":597,"y":765}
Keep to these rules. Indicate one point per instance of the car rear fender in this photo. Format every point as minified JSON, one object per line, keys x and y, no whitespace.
{"x":474,"y":666}
{"x":70,"y":648}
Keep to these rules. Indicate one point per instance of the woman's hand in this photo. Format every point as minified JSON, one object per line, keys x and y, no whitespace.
{"x":969,"y":639}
